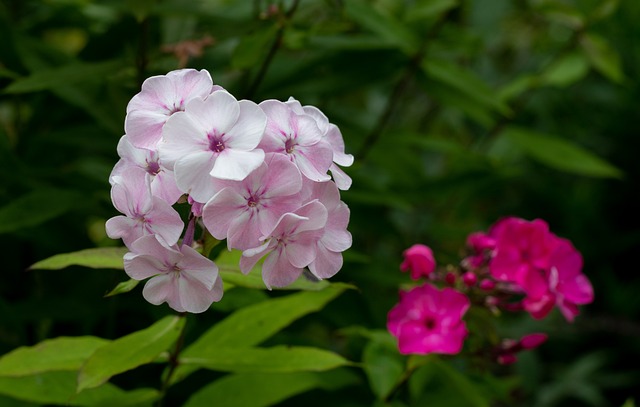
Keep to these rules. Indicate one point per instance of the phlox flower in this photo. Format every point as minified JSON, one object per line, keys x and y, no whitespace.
{"x":429,"y":320}
{"x":290,"y":246}
{"x":213,"y":137}
{"x":180,"y":276}
{"x":163,"y":183}
{"x":243,"y":211}
{"x":298,"y":137}
{"x":331,"y":133}
{"x":562,"y":284}
{"x":335,"y":238}
{"x":418,"y":259}
{"x":162,"y":96}
{"x":145,"y":214}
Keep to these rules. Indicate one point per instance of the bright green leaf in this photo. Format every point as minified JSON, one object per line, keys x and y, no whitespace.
{"x":123,"y":287}
{"x":561,"y":154}
{"x":129,"y":352}
{"x":52,"y":354}
{"x":383,"y":364}
{"x":97,"y":258}
{"x":276,"y":359}
{"x":60,"y":388}
{"x":35,"y":208}
{"x":63,"y":76}
{"x":566,"y":71}
{"x":386,"y":26}
{"x":603,"y":58}
{"x":265,"y":389}
{"x":251,"y":325}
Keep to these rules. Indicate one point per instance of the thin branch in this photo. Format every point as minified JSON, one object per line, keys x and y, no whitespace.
{"x":173,"y":364}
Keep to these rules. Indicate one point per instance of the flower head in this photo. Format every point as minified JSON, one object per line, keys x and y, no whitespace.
{"x":429,"y":320}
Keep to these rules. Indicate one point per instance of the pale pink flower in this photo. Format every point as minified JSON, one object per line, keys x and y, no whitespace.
{"x":162,"y":96}
{"x":291,"y":245}
{"x":163,"y":183}
{"x":331,"y":133}
{"x":214,"y":137}
{"x":180,"y":276}
{"x":419,"y":260}
{"x":429,"y":320}
{"x":335,"y":238}
{"x":244,"y":211}
{"x":298,"y":137}
{"x":145,"y":214}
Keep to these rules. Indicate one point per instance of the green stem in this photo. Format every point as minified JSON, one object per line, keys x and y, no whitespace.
{"x":174,"y":362}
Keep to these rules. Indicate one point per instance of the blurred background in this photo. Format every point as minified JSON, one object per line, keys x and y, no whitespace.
{"x":458,"y":112}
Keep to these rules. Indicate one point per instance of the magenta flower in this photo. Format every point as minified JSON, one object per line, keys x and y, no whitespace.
{"x":145,"y":214}
{"x":291,"y":245}
{"x":244,"y":211}
{"x":161,"y":97}
{"x":419,"y":260}
{"x":482,"y":245}
{"x":522,"y":249}
{"x":298,"y":137}
{"x":428,"y":320}
{"x":562,"y":284}
{"x":163,"y":183}
{"x":214,"y":137}
{"x":335,"y":238}
{"x":181,"y":277}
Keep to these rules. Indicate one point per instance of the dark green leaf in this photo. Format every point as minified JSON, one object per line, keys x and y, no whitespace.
{"x":276,"y":359}
{"x":566,"y":71}
{"x":98,"y":258}
{"x":254,"y":48}
{"x":35,"y":208}
{"x":429,"y":8}
{"x":383,"y":364}
{"x":603,"y":58}
{"x":129,"y":352}
{"x":561,"y":154}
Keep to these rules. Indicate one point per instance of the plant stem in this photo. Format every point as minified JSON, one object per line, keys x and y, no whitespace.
{"x":173,"y":364}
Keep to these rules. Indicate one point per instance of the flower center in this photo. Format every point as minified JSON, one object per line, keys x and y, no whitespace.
{"x":179,"y":108}
{"x":252,"y":202}
{"x":430,"y":323}
{"x":215,"y":142}
{"x":289,"y":146}
{"x":153,"y":167}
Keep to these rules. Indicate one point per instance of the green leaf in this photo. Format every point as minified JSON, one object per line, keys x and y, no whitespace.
{"x":383,"y":364}
{"x":605,"y":9}
{"x":228,"y":263}
{"x":602,"y":57}
{"x":566,"y":71}
{"x":123,"y":287}
{"x":464,"y":81}
{"x":265,"y":389}
{"x":53,"y":354}
{"x":429,"y":8}
{"x":384,"y":25}
{"x":63,"y":76}
{"x":129,"y":352}
{"x":253,"y":48}
{"x":560,"y":154}
{"x":250,"y":326}
{"x":60,"y":388}
{"x":97,"y":258}
{"x":517,"y":87}
{"x":281,"y":359}
{"x":35,"y":208}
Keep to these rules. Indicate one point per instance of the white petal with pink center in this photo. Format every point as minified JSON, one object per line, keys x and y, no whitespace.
{"x":181,"y":277}
{"x":162,"y":96}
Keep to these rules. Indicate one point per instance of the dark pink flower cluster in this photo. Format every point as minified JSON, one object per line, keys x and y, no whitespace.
{"x":518,"y":265}
{"x":255,"y":175}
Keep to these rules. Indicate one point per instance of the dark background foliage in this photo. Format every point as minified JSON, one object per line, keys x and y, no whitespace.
{"x":458,"y":113}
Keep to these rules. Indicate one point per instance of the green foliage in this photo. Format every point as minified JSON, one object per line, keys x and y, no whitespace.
{"x":100,"y":258}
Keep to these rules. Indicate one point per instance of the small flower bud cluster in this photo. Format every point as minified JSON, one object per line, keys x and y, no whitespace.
{"x":517,"y":266}
{"x":255,"y":175}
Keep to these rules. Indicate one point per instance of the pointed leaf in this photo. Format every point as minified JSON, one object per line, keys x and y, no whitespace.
{"x":383,"y":364}
{"x":429,"y":8}
{"x":561,"y":154}
{"x":603,"y":58}
{"x":276,"y":359}
{"x":98,"y":258}
{"x":566,"y":71}
{"x":129,"y":352}
{"x":53,"y":354}
{"x":35,"y":208}
{"x":123,"y":287}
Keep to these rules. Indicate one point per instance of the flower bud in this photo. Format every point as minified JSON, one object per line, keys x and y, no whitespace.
{"x":450,"y":278}
{"x":487,"y":284}
{"x":419,"y":260}
{"x":532,"y":341}
{"x":469,"y":279}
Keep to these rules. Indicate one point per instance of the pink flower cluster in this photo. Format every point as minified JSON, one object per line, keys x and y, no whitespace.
{"x":255,"y":175}
{"x":518,"y":265}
